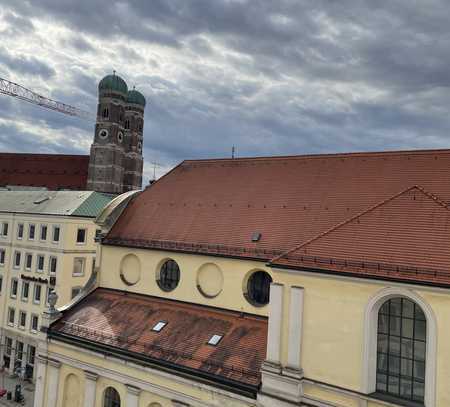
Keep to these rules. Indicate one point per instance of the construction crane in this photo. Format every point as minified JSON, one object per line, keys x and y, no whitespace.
{"x":20,"y":92}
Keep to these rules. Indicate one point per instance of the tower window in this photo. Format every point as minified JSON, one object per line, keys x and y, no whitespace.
{"x":120,"y":137}
{"x":127,"y":124}
{"x":103,"y":133}
{"x":105,"y":113}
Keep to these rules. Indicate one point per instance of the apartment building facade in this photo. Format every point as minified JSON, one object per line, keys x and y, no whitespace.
{"x":47,"y":242}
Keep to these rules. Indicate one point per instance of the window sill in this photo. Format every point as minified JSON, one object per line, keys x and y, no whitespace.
{"x":33,"y":331}
{"x":24,"y":299}
{"x":78,"y":275}
{"x":9,"y":324}
{"x":396,"y":401}
{"x":22,"y":328}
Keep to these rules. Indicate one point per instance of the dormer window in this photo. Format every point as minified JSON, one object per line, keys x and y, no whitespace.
{"x":214,"y":340}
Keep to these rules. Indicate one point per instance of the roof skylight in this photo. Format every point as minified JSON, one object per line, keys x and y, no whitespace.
{"x":159,"y":326}
{"x":215,"y":339}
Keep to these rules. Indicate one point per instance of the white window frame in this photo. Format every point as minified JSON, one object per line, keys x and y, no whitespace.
{"x":19,"y":324}
{"x":41,"y":228}
{"x":9,"y":314}
{"x":83,"y":267}
{"x":25,"y":262}
{"x":29,"y":230}
{"x":23,"y":231}
{"x":35,"y":331}
{"x":34,"y":293}
{"x":85,"y":237}
{"x":2,"y":264}
{"x":16,"y":280}
{"x":369,"y":373}
{"x":22,"y":297}
{"x":38,"y":270}
{"x":5,"y":226}
{"x":17,"y":266}
{"x":50,"y":259}
{"x":53,"y":234}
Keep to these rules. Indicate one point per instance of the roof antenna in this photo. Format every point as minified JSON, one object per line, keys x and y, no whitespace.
{"x":155,"y":164}
{"x":233,"y":151}
{"x":114,"y":72}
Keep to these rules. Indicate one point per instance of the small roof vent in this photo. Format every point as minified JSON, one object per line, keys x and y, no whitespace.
{"x":41,"y":200}
{"x":214,"y":340}
{"x":256,"y":236}
{"x":159,"y":326}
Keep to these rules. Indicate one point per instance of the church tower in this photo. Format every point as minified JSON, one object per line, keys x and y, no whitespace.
{"x":115,"y":164}
{"x":134,"y":130}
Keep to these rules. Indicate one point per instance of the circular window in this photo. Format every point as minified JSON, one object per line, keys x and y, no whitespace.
{"x":169,"y":275}
{"x":258,"y":288}
{"x":103,"y":133}
{"x":130,"y":269}
{"x":120,"y":137}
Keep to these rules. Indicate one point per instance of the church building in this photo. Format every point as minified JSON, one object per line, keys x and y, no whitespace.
{"x":115,"y":163}
{"x":315,"y":280}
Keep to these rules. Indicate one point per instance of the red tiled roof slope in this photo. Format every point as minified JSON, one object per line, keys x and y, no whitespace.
{"x":405,"y":237}
{"x":237,"y":357}
{"x":52,"y":171}
{"x":219,"y":204}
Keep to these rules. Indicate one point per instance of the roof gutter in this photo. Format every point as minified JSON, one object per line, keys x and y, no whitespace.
{"x":232,"y":386}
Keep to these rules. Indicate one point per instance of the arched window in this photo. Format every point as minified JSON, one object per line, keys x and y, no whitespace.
{"x":401,"y":350}
{"x":169,"y":275}
{"x":111,"y":398}
{"x":105,"y":113}
{"x":258,"y":288}
{"x":127,"y":124}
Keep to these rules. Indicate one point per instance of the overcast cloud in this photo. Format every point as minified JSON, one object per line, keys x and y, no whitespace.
{"x":270,"y":77}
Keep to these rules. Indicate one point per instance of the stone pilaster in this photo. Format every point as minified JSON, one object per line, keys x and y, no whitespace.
{"x":90,"y":388}
{"x":41,"y":371}
{"x":53,"y":382}
{"x":132,"y":396}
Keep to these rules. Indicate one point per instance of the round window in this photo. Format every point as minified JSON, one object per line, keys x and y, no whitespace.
{"x":120,"y":137}
{"x":258,"y":288}
{"x":169,"y":275}
{"x":139,"y":146}
{"x":103,"y":133}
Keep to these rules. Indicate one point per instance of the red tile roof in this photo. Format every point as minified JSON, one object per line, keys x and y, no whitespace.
{"x":99,"y":318}
{"x":405,"y":237}
{"x":53,"y":171}
{"x":214,"y":206}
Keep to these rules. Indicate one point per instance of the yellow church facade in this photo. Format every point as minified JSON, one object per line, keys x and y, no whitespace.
{"x":179,"y":312}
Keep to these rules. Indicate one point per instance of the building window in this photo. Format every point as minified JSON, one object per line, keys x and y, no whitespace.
{"x":81,"y":236}
{"x":78,"y":266}
{"x":105,"y":113}
{"x":20,"y":231}
{"x":31,"y":231}
{"x":2,"y":257}
{"x":28,"y":261}
{"x":1,"y":283}
{"x":111,"y":398}
{"x":127,"y":124}
{"x":169,"y":275}
{"x":43,"y":232}
{"x":25,"y":290}
{"x":5,"y":227}
{"x":52,"y":265}
{"x":8,"y":345}
{"x":11,"y":316}
{"x":258,"y":288}
{"x":19,"y":353}
{"x":40,"y":263}
{"x":401,"y":350}
{"x":31,"y":355}
{"x":34,"y":323}
{"x":22,"y":319}
{"x":56,"y":231}
{"x":14,"y":287}
{"x":17,"y":257}
{"x":37,"y":294}
{"x":75,"y":291}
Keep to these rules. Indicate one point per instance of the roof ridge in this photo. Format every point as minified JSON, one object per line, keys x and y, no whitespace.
{"x":320,"y":155}
{"x":429,"y":195}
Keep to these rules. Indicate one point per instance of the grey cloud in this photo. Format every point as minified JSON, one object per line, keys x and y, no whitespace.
{"x":28,"y":65}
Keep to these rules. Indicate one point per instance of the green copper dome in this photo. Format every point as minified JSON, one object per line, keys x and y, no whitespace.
{"x":136,"y":97}
{"x":114,"y":83}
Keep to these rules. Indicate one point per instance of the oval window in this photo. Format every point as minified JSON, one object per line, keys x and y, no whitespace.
{"x":139,"y":146}
{"x":169,"y":275}
{"x":120,"y":137}
{"x":258,"y":288}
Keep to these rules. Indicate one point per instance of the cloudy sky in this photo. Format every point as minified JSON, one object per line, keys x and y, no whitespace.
{"x":270,"y":77}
